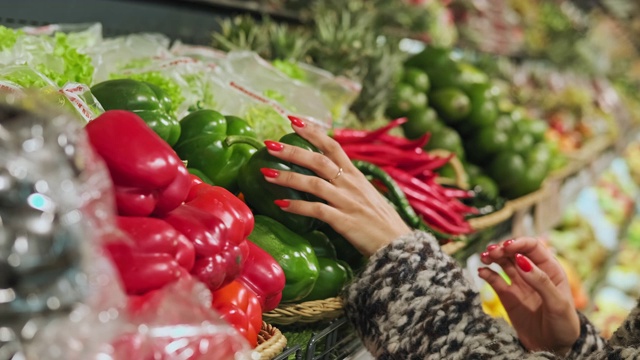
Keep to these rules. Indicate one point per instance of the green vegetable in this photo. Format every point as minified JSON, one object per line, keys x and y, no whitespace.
{"x":207,"y":144}
{"x":290,"y":69}
{"x":333,"y":273}
{"x":145,"y":99}
{"x":260,"y":194}
{"x":53,"y":56}
{"x":266,"y":122}
{"x":169,"y":87}
{"x":294,"y":254}
{"x":8,"y":37}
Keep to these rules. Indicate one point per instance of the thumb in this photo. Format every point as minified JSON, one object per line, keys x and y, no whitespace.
{"x":539,"y":281}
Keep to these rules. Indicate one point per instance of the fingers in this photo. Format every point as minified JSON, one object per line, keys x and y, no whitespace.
{"x":497,"y":282}
{"x":541,"y":283}
{"x":532,"y":247}
{"x":309,"y":184}
{"x":319,"y":138}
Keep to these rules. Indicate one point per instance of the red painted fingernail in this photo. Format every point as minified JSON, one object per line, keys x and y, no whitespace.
{"x":296,"y":121}
{"x":492,"y":247}
{"x":485,"y":254}
{"x":282,"y":203}
{"x":523,"y":263}
{"x":273,"y":145}
{"x":508,"y":242}
{"x":269,"y":172}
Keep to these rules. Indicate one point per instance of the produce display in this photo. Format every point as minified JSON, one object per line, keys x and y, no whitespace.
{"x":463,"y":110}
{"x":174,"y":137}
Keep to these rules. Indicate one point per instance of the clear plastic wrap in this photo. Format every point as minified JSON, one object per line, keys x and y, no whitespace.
{"x":60,"y":296}
{"x":177,"y":322}
{"x":257,"y":75}
{"x":61,"y":299}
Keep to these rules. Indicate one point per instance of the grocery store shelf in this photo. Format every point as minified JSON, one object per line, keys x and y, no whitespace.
{"x":537,"y":215}
{"x":190,"y":21}
{"x":598,"y":280}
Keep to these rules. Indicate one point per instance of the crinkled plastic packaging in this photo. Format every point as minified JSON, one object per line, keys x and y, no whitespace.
{"x":60,"y":296}
{"x":59,"y":299}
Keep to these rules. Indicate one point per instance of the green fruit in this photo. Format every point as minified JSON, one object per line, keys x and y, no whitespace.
{"x":451,"y":104}
{"x":472,"y":170}
{"x":504,"y":123}
{"x":521,"y":143}
{"x":417,"y":78}
{"x":536,"y":127}
{"x":469,"y":75}
{"x":486,"y":185}
{"x":540,"y":153}
{"x":430,"y":57}
{"x":421,"y":121}
{"x":507,"y":169}
{"x":491,"y":141}
{"x":531,"y":181}
{"x":447,"y":171}
{"x":447,"y":139}
{"x":484,"y":111}
{"x":404,"y":99}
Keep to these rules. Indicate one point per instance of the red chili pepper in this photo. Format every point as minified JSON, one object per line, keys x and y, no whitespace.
{"x":434,"y":219}
{"x":462,"y":208}
{"x":264,"y":276}
{"x":347,"y":136}
{"x":436,"y":205}
{"x":403,"y":177}
{"x":405,"y":143}
{"x":457,"y":193}
{"x":241,"y":308}
{"x":139,"y":162}
{"x":370,"y":158}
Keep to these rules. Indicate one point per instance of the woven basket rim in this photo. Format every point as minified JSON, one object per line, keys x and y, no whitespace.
{"x":306,"y":312}
{"x":528,"y":200}
{"x":273,"y":346}
{"x":493,"y":219}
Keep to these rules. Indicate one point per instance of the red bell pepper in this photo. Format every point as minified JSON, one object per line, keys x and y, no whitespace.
{"x":143,"y":272}
{"x":264,"y":276}
{"x":217,"y":223}
{"x":241,"y":308}
{"x":148,"y":176}
{"x":153,"y":235}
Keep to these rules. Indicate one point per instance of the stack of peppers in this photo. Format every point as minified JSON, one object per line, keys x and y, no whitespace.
{"x":181,"y":226}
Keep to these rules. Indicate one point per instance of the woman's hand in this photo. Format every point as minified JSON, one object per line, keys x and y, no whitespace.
{"x":538,"y":301}
{"x":354,"y":208}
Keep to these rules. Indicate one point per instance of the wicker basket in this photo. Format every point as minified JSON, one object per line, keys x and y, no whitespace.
{"x":306,"y":312}
{"x":271,"y":343}
{"x":493,"y":219}
{"x":525,"y":202}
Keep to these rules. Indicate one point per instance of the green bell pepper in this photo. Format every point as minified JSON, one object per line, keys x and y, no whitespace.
{"x":216,"y":146}
{"x":334,"y":274}
{"x":344,"y":250}
{"x":145,"y":99}
{"x":260,"y":194}
{"x":292,"y":251}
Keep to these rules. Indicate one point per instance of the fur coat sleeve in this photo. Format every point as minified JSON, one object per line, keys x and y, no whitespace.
{"x":413,"y":302}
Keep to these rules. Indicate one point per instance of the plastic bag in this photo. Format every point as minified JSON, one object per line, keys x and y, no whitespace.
{"x":64,"y":297}
{"x":258,"y":76}
{"x":338,"y":92}
{"x":61,"y":295}
{"x":74,"y":96}
{"x":177,"y":322}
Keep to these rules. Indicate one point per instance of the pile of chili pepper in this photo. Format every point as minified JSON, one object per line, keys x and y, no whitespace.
{"x":402,"y":167}
{"x":180,"y":226}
